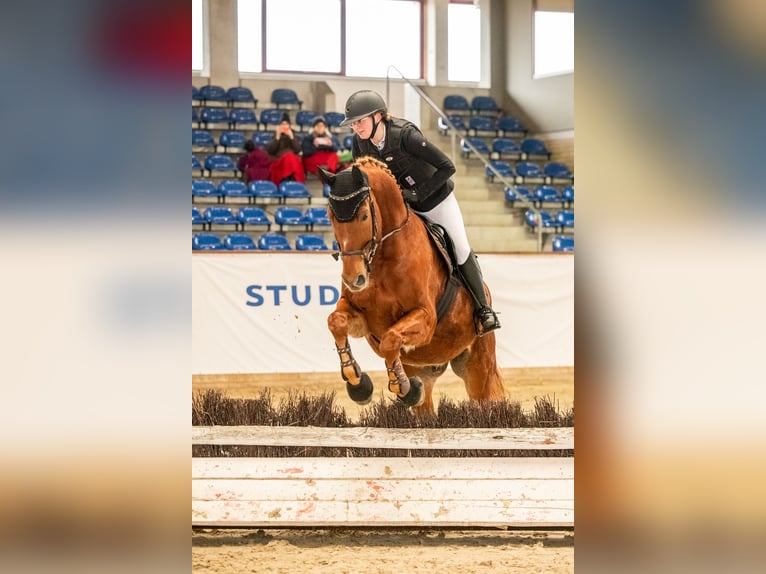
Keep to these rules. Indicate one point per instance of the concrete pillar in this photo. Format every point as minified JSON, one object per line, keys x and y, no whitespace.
{"x":222,"y":29}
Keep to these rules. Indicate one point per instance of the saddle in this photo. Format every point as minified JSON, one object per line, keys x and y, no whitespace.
{"x":446,"y":249}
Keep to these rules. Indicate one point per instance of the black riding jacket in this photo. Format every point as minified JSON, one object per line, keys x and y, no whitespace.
{"x":422,"y":170}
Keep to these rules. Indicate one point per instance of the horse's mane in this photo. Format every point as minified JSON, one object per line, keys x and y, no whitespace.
{"x":368,"y":160}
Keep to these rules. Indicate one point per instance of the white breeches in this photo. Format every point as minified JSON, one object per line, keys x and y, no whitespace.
{"x":448,"y":215}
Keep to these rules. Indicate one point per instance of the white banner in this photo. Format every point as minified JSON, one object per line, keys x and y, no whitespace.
{"x":267,"y":312}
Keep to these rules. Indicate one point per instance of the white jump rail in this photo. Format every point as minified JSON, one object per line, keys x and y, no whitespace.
{"x":422,"y":491}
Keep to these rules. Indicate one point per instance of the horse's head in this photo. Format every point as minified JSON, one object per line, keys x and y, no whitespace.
{"x":352,"y":213}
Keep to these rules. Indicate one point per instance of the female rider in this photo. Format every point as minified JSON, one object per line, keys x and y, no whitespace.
{"x":424,"y":174}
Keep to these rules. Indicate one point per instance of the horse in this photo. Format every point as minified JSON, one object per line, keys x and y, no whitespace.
{"x":393,"y":278}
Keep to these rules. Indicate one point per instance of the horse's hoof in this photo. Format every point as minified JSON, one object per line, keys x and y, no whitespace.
{"x":414,"y":398}
{"x":361,"y":393}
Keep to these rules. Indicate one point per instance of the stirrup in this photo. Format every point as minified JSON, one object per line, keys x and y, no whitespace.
{"x":486,"y":320}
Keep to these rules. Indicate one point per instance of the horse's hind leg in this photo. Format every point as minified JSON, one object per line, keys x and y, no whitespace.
{"x":428,"y":376}
{"x":358,"y":383}
{"x":477,"y":366}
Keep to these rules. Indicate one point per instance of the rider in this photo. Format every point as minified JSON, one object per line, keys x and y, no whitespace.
{"x":424,"y":174}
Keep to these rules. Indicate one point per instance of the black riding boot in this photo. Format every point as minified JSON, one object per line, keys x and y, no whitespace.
{"x":485,"y":318}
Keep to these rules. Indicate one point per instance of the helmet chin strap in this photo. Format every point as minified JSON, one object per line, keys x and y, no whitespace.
{"x":374,"y":128}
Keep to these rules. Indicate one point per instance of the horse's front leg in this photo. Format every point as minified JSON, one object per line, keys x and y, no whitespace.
{"x":415,"y":329}
{"x":343,"y":321}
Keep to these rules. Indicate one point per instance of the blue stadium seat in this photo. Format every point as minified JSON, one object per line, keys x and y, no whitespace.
{"x":220,"y":215}
{"x":523,"y":192}
{"x":568,"y":195}
{"x":195,"y":95}
{"x":565,"y":219}
{"x":456,"y":121}
{"x":510,"y":126}
{"x":202,"y":140}
{"x":294,"y":190}
{"x":265,"y":190}
{"x":304,"y":119}
{"x":333,"y":119}
{"x":273,"y":242}
{"x":262,"y":139}
{"x":214,"y":95}
{"x":529,"y":172}
{"x":505,"y":147}
{"x":478,"y":143}
{"x":310,"y":242}
{"x":206,"y":242}
{"x":238,"y":242}
{"x":547,"y":194}
{"x":220,"y":163}
{"x":214,"y":117}
{"x":335,"y":245}
{"x":195,"y":118}
{"x":286,"y":98}
{"x":563,"y":243}
{"x":252,"y":215}
{"x":243,"y":117}
{"x":204,"y":188}
{"x":503,"y":168}
{"x":326,"y":190}
{"x":232,"y":141}
{"x":241,"y":96}
{"x":285,"y":215}
{"x":456,"y":103}
{"x":348,"y":141}
{"x":196,"y":166}
{"x":234,"y":188}
{"x":270,"y":117}
{"x":317,"y":216}
{"x":482,"y":124}
{"x":534,"y":149}
{"x":516,"y":193}
{"x":557,"y":172}
{"x":198,"y":220}
{"x":484,"y":105}
{"x":531,"y":220}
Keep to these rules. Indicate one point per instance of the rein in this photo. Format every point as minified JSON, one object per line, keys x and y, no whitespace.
{"x":371,"y":247}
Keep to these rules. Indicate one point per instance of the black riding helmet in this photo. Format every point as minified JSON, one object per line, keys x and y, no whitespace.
{"x":361,"y":104}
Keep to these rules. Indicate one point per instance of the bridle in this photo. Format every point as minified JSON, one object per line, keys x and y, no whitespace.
{"x":370,"y":248}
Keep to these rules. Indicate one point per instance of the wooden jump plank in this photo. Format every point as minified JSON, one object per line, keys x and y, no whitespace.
{"x":354,"y":491}
{"x":364,"y":437}
{"x":383,"y":467}
{"x":382,"y":513}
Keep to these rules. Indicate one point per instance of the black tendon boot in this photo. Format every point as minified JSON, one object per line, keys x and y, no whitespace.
{"x":484,"y":317}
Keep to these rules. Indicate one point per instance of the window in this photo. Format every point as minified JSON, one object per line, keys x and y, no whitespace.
{"x":464,"y":43}
{"x":383,"y":32}
{"x":249,"y":35}
{"x":303,"y":35}
{"x":198,"y":48}
{"x":313,"y":36}
{"x":554,"y":43}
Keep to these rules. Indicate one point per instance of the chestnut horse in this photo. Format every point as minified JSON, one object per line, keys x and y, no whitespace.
{"x":392,"y":280}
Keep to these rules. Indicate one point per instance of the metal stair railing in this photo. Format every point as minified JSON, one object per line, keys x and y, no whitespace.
{"x":453,"y":134}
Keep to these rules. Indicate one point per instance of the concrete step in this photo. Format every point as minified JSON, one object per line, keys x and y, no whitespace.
{"x":489,"y":205}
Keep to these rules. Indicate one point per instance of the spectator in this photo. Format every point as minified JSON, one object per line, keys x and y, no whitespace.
{"x":319,"y":149}
{"x":285,"y":148}
{"x":255,"y":163}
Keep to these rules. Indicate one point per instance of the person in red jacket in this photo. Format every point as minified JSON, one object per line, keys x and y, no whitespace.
{"x":255,"y":163}
{"x":285,"y":148}
{"x":319,"y":149}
